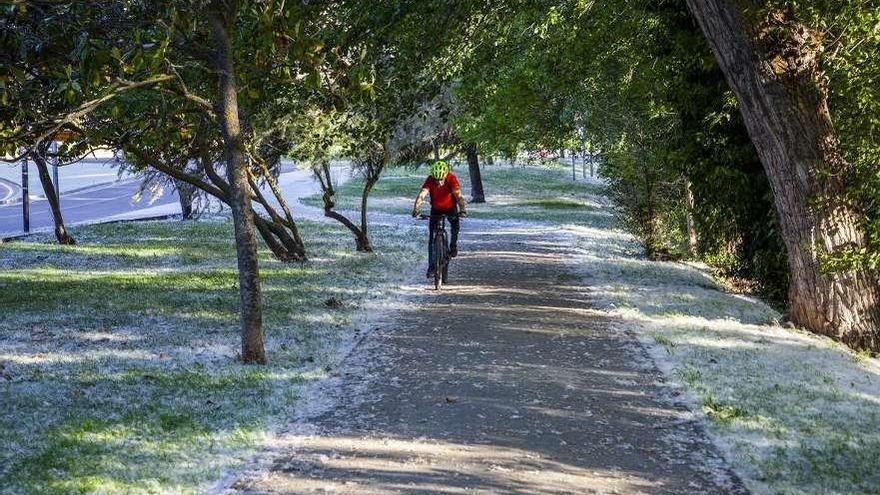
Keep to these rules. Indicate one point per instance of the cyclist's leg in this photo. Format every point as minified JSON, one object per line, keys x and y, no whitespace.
{"x":454,"y":224}
{"x":431,"y":254}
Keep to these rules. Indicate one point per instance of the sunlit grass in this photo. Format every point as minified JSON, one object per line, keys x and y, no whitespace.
{"x":795,"y":412}
{"x":544,"y":194}
{"x":121,"y":352}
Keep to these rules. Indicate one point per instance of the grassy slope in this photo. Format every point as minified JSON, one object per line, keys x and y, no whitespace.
{"x":796,"y":413}
{"x":544,"y":194}
{"x":119,"y":354}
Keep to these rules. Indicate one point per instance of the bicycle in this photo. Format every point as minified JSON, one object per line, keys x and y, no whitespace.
{"x":441,"y":251}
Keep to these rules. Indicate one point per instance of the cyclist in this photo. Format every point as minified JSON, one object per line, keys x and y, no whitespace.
{"x":446,"y":199}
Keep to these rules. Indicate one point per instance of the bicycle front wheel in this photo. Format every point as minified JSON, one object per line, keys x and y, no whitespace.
{"x":439,"y":261}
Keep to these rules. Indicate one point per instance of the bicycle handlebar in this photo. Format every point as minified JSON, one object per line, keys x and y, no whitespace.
{"x":422,"y":216}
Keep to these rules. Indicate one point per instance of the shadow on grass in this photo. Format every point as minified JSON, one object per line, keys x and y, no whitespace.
{"x":801,"y":413}
{"x":119,"y":354}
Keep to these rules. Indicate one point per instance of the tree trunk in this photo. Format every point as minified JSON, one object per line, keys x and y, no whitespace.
{"x":691,"y":225}
{"x":61,"y":233}
{"x":773,"y":69}
{"x":477,"y":194}
{"x":185,"y":194}
{"x":650,"y":218}
{"x":252,"y":350}
{"x":363,"y":241}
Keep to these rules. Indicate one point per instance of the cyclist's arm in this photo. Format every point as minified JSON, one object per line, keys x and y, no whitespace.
{"x":419,"y":200}
{"x":462,"y":204}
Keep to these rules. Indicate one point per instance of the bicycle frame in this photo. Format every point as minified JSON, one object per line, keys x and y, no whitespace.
{"x":441,"y":250}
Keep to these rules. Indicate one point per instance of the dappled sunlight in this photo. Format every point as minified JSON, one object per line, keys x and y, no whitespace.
{"x":136,"y":347}
{"x":77,"y":251}
{"x":389,"y":464}
{"x":777,"y":399}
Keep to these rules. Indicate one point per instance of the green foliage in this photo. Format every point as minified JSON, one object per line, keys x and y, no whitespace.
{"x":851,"y":44}
{"x":635,"y":82}
{"x":721,"y":412}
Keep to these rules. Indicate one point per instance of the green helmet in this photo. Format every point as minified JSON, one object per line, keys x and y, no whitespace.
{"x":439,"y":170}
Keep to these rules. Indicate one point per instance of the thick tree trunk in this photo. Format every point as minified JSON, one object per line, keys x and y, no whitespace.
{"x":477,"y":194}
{"x":61,"y":233}
{"x":691,"y":224}
{"x":252,"y":350}
{"x":773,"y":69}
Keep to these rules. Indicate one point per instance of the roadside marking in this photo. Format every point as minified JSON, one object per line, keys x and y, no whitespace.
{"x":9,"y":191}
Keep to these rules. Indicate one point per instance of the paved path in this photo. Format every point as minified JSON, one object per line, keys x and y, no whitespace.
{"x":502,"y":383}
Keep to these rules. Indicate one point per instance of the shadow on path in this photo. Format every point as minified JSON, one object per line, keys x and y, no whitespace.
{"x":505,"y":382}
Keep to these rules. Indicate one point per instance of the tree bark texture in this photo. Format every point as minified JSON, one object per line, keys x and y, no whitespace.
{"x":61,"y":233}
{"x":477,"y":193}
{"x":252,"y":350}
{"x":773,"y":67}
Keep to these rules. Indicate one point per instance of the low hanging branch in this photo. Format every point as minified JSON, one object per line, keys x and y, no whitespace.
{"x":372,"y":171}
{"x":279,"y":196}
{"x":49,"y":128}
{"x":275,"y":231}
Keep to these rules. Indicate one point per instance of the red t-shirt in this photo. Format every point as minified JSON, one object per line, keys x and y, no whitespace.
{"x":441,"y":196}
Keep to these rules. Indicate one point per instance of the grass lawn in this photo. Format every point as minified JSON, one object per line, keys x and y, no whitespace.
{"x":118,"y":369}
{"x":794,"y":412}
{"x":543,"y":194}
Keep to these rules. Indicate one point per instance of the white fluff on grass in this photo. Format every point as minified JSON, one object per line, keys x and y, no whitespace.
{"x":793,"y":412}
{"x":132,"y":392}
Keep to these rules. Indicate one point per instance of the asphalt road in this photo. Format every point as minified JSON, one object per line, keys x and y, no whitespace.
{"x":90,"y":205}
